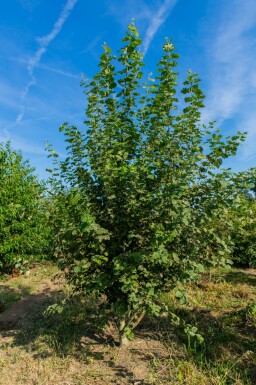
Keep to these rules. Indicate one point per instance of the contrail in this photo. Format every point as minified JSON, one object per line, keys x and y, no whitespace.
{"x":156,"y":22}
{"x":43,"y":45}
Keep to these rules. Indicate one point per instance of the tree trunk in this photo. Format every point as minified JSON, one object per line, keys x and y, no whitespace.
{"x":137,"y":320}
{"x":123,"y":340}
{"x":132,"y":323}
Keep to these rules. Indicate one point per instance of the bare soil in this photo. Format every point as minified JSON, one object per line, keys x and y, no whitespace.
{"x":104,"y":362}
{"x":32,"y":353}
{"x":20,"y":310}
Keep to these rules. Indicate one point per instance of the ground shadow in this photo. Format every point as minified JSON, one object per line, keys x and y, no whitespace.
{"x":9,"y":295}
{"x":63,"y":323}
{"x":74,"y":329}
{"x":228,"y":336}
{"x":241,"y":277}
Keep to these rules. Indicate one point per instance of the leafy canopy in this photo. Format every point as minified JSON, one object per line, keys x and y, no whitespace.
{"x":145,"y":188}
{"x":22,"y":227}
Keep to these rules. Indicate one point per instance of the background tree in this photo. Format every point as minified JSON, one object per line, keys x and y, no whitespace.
{"x":23,"y":231}
{"x":242,"y":219}
{"x":141,"y":189}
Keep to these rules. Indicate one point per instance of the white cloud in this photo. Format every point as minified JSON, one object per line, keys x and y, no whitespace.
{"x":60,"y":72}
{"x":149,"y":15}
{"x":232,"y":72}
{"x":130,"y":9}
{"x":43,"y":45}
{"x":8,"y":96}
{"x":29,"y":5}
{"x":45,"y":40}
{"x":19,"y":143}
{"x":248,"y":123}
{"x":156,"y":21}
{"x":90,"y":47}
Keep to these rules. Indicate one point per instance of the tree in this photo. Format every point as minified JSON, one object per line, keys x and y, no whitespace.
{"x":23,"y":233}
{"x":141,"y":189}
{"x":242,"y":219}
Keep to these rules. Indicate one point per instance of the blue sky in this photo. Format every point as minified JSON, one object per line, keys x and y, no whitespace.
{"x":46,"y":45}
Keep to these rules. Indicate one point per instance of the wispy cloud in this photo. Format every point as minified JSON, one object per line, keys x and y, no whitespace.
{"x":149,"y":15}
{"x":232,"y":72}
{"x":157,"y":20}
{"x":43,"y":45}
{"x":232,"y":55}
{"x":29,"y":5}
{"x":59,"y":71}
{"x":141,"y":11}
{"x":8,"y":96}
{"x":19,"y":143}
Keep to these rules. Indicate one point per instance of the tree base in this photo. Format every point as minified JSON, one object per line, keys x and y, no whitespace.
{"x":123,"y":341}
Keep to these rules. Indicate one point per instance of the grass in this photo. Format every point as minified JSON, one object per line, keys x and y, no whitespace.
{"x":12,"y":290}
{"x":69,"y":347}
{"x":223,"y":309}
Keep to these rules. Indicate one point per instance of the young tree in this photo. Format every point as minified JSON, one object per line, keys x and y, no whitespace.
{"x":145,"y":188}
{"x":23,"y":233}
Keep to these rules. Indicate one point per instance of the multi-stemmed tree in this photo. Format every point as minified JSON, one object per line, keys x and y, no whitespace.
{"x":141,"y":189}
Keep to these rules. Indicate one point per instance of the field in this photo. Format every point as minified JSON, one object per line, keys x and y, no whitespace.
{"x":217,"y":346}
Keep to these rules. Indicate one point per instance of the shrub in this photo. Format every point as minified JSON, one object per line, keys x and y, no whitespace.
{"x":141,"y":191}
{"x":244,"y":233}
{"x":23,"y":234}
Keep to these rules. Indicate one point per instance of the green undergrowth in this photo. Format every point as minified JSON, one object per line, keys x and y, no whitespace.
{"x":218,"y":330}
{"x":215,"y":344}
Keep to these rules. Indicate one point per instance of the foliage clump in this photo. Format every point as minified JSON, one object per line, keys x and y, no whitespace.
{"x":141,"y":192}
{"x":243,"y":235}
{"x":23,"y":234}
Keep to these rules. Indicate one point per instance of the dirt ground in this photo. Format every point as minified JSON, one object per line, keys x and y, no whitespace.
{"x":70,"y":351}
{"x":20,"y":310}
{"x":104,"y":362}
